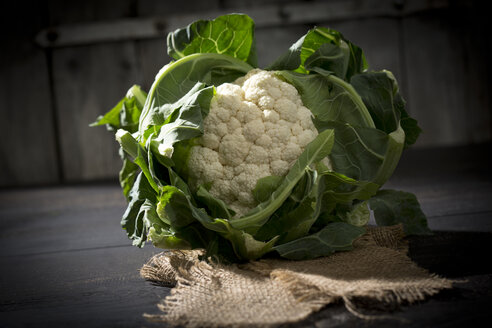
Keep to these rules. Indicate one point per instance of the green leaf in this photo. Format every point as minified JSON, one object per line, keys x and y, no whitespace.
{"x":126,"y":113}
{"x":166,"y":239}
{"x":393,"y":207}
{"x":178,"y":182}
{"x":340,"y":189}
{"x":296,"y":215}
{"x":331,"y":58}
{"x":359,"y":215}
{"x":231,"y":35}
{"x":174,"y":207}
{"x":265,"y":187}
{"x":334,"y":237}
{"x":159,"y":232}
{"x":292,"y":220}
{"x":128,"y":173}
{"x":177,"y":78}
{"x":133,"y":218}
{"x":199,"y":237}
{"x":245,"y":245}
{"x":183,"y":122}
{"x":215,"y":207}
{"x":178,"y":210}
{"x":364,"y":153}
{"x":380,"y":93}
{"x":324,"y":48}
{"x":411,"y":128}
{"x":314,"y":152}
{"x":140,"y":157}
{"x":329,"y":98}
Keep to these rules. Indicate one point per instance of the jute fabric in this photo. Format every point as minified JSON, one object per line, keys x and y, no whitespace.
{"x":376,"y":274}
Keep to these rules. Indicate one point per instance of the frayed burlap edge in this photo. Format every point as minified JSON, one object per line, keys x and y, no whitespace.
{"x":377,"y":273}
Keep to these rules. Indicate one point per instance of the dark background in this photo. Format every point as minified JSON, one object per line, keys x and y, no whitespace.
{"x":63,"y":63}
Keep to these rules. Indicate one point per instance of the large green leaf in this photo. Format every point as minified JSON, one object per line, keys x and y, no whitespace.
{"x":363,"y":153}
{"x":139,"y":155}
{"x":324,"y":48}
{"x":393,"y":207}
{"x":265,"y":187}
{"x":216,"y":207}
{"x":133,"y":218}
{"x":295,"y":218}
{"x":174,"y":207}
{"x":298,"y":212}
{"x":183,"y":120}
{"x":231,"y":35}
{"x":380,"y":93}
{"x":329,"y":98}
{"x":177,"y":78}
{"x":128,"y":173}
{"x":177,"y":209}
{"x":292,"y":220}
{"x":334,"y":237}
{"x":331,"y":58}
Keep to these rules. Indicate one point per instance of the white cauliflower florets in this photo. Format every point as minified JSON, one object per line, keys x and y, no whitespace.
{"x":256,"y":127}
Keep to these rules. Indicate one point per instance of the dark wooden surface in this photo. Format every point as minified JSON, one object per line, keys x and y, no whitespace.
{"x":65,"y":262}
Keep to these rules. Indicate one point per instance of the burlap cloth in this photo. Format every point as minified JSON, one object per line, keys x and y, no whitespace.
{"x":377,"y":273}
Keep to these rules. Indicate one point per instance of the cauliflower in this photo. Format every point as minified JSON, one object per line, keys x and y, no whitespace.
{"x":194,"y":147}
{"x":256,"y":127}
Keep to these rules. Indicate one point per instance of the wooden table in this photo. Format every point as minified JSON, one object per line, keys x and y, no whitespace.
{"x":65,"y":262}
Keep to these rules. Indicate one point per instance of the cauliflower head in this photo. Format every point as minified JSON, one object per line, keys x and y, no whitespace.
{"x":256,"y":127}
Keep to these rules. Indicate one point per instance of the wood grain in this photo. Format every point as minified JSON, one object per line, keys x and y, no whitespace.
{"x":28,"y":149}
{"x":88,"y":82}
{"x":442,"y":72}
{"x":92,"y":288}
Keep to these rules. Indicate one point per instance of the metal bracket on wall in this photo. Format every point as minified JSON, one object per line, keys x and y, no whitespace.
{"x":266,"y":16}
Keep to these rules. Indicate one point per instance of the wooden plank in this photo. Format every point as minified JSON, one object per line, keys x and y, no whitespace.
{"x":28,"y":144}
{"x":479,"y":222}
{"x":156,"y":8}
{"x":88,"y":82}
{"x":64,"y":219}
{"x":476,"y":71}
{"x":70,"y":12}
{"x":28,"y":147}
{"x":447,"y":181}
{"x":93,"y":288}
{"x":100,"y":288}
{"x":270,"y":15}
{"x":152,"y":56}
{"x":440,"y":83}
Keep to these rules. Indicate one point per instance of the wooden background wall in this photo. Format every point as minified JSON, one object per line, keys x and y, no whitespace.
{"x":65,"y":62}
